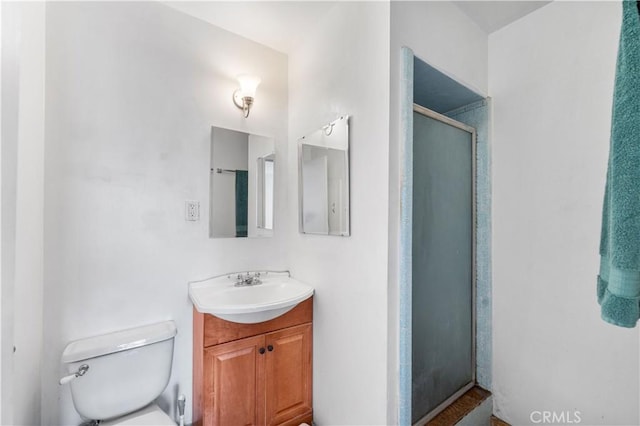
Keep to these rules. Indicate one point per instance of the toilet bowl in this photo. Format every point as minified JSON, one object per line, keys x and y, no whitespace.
{"x":115,"y":377}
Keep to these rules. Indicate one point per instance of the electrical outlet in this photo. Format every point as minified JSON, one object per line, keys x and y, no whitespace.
{"x":192,"y":210}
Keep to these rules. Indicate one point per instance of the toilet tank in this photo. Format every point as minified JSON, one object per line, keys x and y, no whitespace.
{"x":128,"y":369}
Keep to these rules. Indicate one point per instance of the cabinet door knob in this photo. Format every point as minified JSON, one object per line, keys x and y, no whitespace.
{"x":261,"y":350}
{"x":270,"y":348}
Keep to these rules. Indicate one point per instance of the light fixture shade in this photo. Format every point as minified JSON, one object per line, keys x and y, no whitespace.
{"x":248,"y":85}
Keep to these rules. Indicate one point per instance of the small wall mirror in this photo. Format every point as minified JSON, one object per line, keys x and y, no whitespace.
{"x":242,"y":184}
{"x":323,"y":169}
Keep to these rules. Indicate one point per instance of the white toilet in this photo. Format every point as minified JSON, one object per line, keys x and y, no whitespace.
{"x":115,"y":377}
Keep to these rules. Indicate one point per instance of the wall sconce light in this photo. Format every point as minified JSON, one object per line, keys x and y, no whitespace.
{"x":243,"y":97}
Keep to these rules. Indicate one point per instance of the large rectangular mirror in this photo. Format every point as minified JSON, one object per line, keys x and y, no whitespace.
{"x":242,"y":184}
{"x":323,"y":169}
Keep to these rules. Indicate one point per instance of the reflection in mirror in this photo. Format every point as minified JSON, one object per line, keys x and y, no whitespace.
{"x":323,"y":168}
{"x":265,"y":191}
{"x":242,"y":189}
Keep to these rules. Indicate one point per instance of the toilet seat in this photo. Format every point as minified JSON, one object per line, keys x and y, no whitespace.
{"x":151,"y":415}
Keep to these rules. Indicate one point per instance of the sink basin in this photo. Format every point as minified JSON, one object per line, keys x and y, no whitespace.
{"x":278,"y":294}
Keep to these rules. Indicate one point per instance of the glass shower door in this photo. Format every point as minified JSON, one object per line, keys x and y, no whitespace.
{"x":443,"y":325}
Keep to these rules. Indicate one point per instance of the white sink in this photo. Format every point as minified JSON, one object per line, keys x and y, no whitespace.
{"x":276,"y":295}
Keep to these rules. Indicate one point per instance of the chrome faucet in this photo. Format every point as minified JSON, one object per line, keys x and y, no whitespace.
{"x":248,"y":280}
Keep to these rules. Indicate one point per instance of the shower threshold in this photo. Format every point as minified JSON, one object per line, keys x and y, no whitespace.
{"x":459,"y":408}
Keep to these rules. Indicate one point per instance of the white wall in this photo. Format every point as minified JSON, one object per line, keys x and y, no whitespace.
{"x":28,"y":301}
{"x":551,"y":79}
{"x":443,"y":36}
{"x":22,"y":210}
{"x":9,"y":154}
{"x":342,"y":67}
{"x":132,"y":90}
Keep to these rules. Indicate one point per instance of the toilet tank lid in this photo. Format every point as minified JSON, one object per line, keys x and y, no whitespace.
{"x":123,"y":340}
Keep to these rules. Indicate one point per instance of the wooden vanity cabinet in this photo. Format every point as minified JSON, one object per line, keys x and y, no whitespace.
{"x":253,"y":374}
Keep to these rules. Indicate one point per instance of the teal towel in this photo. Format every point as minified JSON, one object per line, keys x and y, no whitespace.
{"x":242,"y":190}
{"x":619,"y":279}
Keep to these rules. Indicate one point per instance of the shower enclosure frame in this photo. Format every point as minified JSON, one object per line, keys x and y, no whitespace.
{"x":449,"y":121}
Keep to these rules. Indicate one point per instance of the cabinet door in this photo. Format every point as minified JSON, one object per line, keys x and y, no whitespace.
{"x":288,"y":375}
{"x":234,"y":383}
